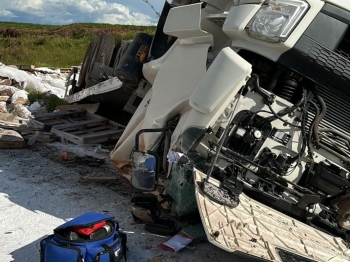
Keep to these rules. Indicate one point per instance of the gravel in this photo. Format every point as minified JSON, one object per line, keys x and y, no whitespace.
{"x":39,"y":191}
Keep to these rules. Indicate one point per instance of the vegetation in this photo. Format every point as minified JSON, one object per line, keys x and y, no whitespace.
{"x":50,"y":101}
{"x":55,"y":46}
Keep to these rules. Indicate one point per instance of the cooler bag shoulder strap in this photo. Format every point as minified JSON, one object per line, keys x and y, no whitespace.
{"x":110,"y":251}
{"x":112,"y":257}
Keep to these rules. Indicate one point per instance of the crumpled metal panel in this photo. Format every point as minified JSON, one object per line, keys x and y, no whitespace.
{"x":258,"y":230}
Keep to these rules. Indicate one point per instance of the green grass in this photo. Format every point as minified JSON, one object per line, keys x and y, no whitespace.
{"x":51,"y":101}
{"x":56,"y":46}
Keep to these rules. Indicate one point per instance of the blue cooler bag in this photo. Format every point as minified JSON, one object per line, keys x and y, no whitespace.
{"x":104,"y":244}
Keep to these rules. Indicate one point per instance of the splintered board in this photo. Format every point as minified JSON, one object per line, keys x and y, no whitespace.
{"x":80,"y":127}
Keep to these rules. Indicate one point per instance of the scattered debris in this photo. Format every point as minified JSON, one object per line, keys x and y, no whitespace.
{"x":4,"y":98}
{"x":19,"y":97}
{"x":177,"y":242}
{"x":89,"y":161}
{"x":10,"y":139}
{"x":80,"y":127}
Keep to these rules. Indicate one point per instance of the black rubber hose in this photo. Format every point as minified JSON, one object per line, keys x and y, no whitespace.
{"x":344,"y":158}
{"x":320,"y":117}
{"x":255,"y":81}
{"x":295,"y":106}
{"x":311,"y":127}
{"x":232,"y":153}
{"x":346,"y":142}
{"x":280,"y":118}
{"x":334,"y":132}
{"x":303,"y":134}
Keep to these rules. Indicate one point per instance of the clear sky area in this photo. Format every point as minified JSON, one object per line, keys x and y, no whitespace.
{"x":60,"y":12}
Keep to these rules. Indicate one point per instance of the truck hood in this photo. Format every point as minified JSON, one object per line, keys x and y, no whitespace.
{"x":344,"y":4}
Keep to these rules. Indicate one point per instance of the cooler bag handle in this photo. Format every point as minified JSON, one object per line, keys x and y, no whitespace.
{"x":112,"y":257}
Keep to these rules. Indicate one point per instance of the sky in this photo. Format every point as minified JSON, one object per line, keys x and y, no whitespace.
{"x":60,"y":12}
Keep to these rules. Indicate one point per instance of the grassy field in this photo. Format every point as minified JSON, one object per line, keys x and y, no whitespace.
{"x":55,"y":46}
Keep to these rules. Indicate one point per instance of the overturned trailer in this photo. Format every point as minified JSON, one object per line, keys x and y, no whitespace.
{"x":255,"y":97}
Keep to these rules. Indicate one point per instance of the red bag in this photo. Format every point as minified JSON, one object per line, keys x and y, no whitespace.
{"x":86,"y":231}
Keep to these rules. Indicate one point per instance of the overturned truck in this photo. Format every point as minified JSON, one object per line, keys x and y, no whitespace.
{"x":254,"y":96}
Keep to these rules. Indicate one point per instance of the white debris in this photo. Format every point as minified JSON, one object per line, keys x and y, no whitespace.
{"x":22,"y":111}
{"x":34,"y":107}
{"x":19,"y":97}
{"x":24,"y":79}
{"x":7,"y":90}
{"x":173,"y":157}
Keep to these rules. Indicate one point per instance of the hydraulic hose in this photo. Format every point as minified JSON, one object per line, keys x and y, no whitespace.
{"x":280,"y":118}
{"x":295,"y":106}
{"x":320,"y":116}
{"x":303,"y":134}
{"x":334,"y":132}
{"x":311,"y":127}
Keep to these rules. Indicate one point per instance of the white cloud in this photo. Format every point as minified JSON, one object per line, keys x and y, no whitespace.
{"x":74,"y":11}
{"x":5,"y":13}
{"x":125,"y":18}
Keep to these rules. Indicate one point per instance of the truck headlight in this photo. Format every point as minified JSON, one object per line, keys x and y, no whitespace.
{"x":276,"y":19}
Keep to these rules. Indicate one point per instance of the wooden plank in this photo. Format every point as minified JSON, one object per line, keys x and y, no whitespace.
{"x":110,"y":121}
{"x":59,"y":114}
{"x":103,"y":133}
{"x":83,"y":129}
{"x":101,"y":139}
{"x":68,"y":137}
{"x":102,"y":136}
{"x":64,"y":120}
{"x":90,"y":130}
{"x":81,"y":123}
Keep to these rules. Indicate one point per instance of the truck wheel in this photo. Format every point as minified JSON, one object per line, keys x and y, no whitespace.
{"x":115,"y":52}
{"x":105,"y":46}
{"x":81,"y":81}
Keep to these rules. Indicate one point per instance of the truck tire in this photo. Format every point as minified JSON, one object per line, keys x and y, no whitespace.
{"x":105,"y":45}
{"x":81,"y":81}
{"x":115,"y":52}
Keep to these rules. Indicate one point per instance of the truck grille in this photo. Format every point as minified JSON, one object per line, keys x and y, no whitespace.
{"x":337,"y":116}
{"x":344,"y":47}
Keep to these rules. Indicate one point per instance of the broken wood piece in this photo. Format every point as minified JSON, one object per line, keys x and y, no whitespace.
{"x":10,"y":139}
{"x":7,"y":117}
{"x":7,"y":90}
{"x":6,"y":82}
{"x":22,"y":111}
{"x":3,"y":108}
{"x":60,"y":114}
{"x":44,"y":137}
{"x":90,"y":108}
{"x":26,"y":67}
{"x":81,"y":123}
{"x":4,"y":98}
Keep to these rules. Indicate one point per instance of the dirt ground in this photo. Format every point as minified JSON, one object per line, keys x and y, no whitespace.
{"x":39,"y":191}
